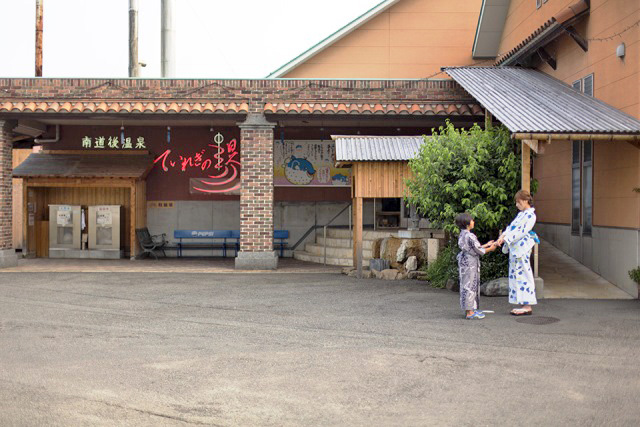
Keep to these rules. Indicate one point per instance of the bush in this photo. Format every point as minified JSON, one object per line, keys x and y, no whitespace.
{"x":635,"y":275}
{"x":475,"y":171}
{"x":492,"y":266}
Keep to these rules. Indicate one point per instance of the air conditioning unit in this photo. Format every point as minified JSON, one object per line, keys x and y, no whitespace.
{"x":30,"y":127}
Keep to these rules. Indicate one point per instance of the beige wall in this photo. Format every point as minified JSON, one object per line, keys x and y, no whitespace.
{"x":552,"y":169}
{"x":411,"y":39}
{"x":616,"y":172}
{"x":616,"y":166}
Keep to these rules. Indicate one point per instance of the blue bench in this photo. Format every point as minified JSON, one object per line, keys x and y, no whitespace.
{"x":222,"y":239}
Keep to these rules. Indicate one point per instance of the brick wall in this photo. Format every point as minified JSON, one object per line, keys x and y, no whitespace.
{"x":6,"y":231}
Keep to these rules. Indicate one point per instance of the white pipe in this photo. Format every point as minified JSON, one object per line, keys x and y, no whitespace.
{"x":56,"y":139}
{"x":167,"y":36}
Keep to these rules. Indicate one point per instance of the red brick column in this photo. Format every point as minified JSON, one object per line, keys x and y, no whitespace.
{"x":7,"y":253}
{"x":256,"y":195}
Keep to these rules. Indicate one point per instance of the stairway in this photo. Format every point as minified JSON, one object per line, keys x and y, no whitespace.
{"x":340,"y":247}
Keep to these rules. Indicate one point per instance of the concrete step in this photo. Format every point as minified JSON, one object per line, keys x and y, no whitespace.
{"x":345,"y":262}
{"x":342,"y":243}
{"x":334,"y":252}
{"x":344,"y":233}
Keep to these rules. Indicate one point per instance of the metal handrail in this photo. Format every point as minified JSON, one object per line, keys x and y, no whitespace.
{"x":315,"y":227}
{"x":324,"y":229}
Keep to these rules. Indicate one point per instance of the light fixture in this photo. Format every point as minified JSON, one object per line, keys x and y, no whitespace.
{"x":621,"y":50}
{"x":168,"y":134}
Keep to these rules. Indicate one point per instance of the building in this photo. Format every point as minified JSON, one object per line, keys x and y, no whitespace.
{"x":587,"y":167}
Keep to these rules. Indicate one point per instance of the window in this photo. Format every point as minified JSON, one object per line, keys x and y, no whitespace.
{"x":575,"y":188}
{"x":584,"y":85}
{"x":582,"y":188}
{"x":577,"y":85}
{"x":587,"y":186}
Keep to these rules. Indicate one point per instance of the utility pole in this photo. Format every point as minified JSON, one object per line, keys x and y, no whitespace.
{"x":167,"y":48}
{"x":134,"y":66}
{"x":39,"y":20}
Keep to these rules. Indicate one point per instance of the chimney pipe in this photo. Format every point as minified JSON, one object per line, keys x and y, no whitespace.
{"x":39,"y":20}
{"x":134,"y":66}
{"x":167,"y":48}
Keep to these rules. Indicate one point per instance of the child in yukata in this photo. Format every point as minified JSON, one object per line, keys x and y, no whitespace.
{"x":520,"y":239}
{"x":469,"y":266}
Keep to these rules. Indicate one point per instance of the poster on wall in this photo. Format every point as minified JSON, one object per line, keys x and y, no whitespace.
{"x":307,"y":164}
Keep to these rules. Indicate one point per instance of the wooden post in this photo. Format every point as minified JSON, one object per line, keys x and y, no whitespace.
{"x":357,"y":234}
{"x":526,"y":167}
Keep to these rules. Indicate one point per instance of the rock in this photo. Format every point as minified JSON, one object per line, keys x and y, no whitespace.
{"x":495,"y":288}
{"x":389,"y":274}
{"x":453,"y":285}
{"x":402,"y":276}
{"x":375,"y":248}
{"x":401,"y":254}
{"x":377,"y":274}
{"x":389,"y":250}
{"x":353,"y":273}
{"x":411,"y":264}
{"x":378,"y":264}
{"x":416,"y":275}
{"x":347,"y":270}
{"x":367,"y":274}
{"x":433,"y":248}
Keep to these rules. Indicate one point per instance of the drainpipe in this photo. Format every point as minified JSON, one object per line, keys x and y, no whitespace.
{"x":56,"y":139}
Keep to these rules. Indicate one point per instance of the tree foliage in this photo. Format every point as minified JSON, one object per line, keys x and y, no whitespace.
{"x":475,"y":171}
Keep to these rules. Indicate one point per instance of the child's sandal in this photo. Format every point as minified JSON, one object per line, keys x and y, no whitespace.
{"x":476,"y":315}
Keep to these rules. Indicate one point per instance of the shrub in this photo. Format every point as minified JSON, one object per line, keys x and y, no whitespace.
{"x":444,"y":267}
{"x":475,"y":171}
{"x":635,"y":275}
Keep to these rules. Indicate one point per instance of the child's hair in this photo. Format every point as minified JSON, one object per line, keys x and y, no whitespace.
{"x":463,"y":220}
{"x":525,"y":196}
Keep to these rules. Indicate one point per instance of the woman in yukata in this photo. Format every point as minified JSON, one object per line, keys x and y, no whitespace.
{"x":520,"y":239}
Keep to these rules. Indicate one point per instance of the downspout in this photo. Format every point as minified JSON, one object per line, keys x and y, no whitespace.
{"x":56,"y":139}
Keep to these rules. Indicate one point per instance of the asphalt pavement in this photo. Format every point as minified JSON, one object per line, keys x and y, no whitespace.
{"x":304,"y":349}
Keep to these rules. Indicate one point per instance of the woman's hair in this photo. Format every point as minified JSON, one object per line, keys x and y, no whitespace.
{"x":525,"y":196}
{"x":463,"y":220}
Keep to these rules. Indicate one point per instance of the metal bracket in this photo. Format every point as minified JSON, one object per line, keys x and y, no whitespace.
{"x":582,"y":42}
{"x":544,"y":55}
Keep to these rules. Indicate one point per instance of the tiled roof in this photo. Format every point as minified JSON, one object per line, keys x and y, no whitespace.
{"x":529,"y":101}
{"x":381,"y":109}
{"x":41,"y":165}
{"x":376,"y":148}
{"x":143,"y":107}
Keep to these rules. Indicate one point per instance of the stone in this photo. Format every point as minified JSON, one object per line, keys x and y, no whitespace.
{"x":453,"y":285}
{"x":402,"y":251}
{"x":8,"y":258}
{"x":257,"y":260}
{"x":433,"y":248}
{"x":402,"y":276}
{"x":375,"y":248}
{"x":417,"y":275}
{"x":377,"y":274}
{"x":389,"y":249}
{"x":367,"y":274}
{"x":378,"y":264}
{"x":413,"y":234}
{"x":495,"y":288}
{"x":411,"y":264}
{"x":346,"y":270}
{"x":389,"y":274}
{"x":353,"y":273}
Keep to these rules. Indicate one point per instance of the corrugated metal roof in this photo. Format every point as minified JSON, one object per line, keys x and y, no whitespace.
{"x":528,"y":101}
{"x":376,"y":148}
{"x":84,"y":166}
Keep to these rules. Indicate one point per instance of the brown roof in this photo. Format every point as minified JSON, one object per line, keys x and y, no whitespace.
{"x":123,"y":107}
{"x":104,"y":165}
{"x":379,"y":109}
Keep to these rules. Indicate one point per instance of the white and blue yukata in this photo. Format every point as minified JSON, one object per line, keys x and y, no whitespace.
{"x":519,"y":239}
{"x":469,"y":267}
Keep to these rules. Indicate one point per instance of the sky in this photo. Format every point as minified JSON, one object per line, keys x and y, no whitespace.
{"x":213,"y":38}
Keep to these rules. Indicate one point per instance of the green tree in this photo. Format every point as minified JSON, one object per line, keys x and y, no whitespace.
{"x":475,"y":171}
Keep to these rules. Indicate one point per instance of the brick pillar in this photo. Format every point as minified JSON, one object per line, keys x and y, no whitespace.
{"x":256,"y":195}
{"x":8,"y":256}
